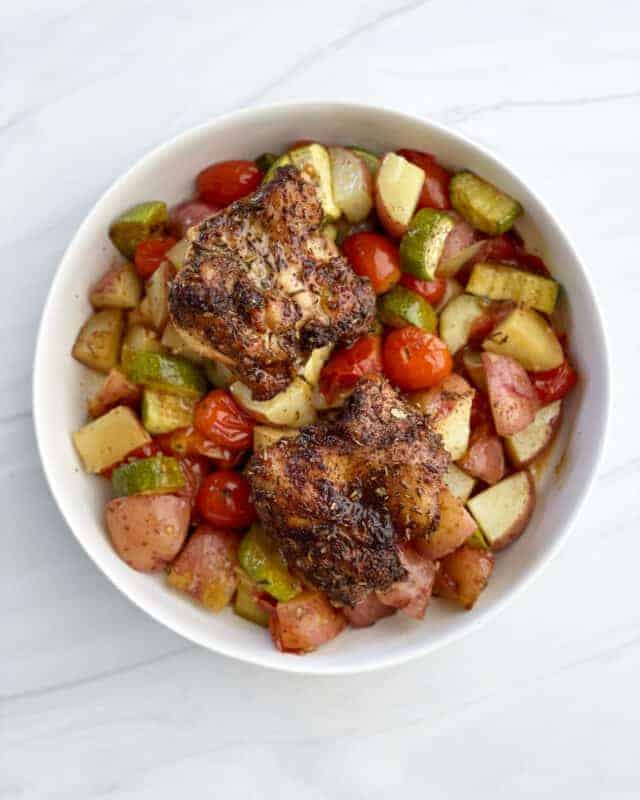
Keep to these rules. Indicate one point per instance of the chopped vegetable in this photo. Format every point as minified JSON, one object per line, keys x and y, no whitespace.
{"x":98,"y":343}
{"x":291,"y":408}
{"x":185,"y":215}
{"x":218,"y":374}
{"x":116,"y":390}
{"x":414,"y":359}
{"x":435,"y":190}
{"x":554,"y":384}
{"x":513,"y":399}
{"x":457,"y":318}
{"x":265,"y":161}
{"x":223,"y":500}
{"x":246,"y":605}
{"x":375,"y":257}
{"x":526,"y":336}
{"x":156,"y":475}
{"x":221,"y":183}
{"x":108,"y":439}
{"x":151,"y":253}
{"x":265,"y":435}
{"x":423,"y":243}
{"x":371,"y":160}
{"x":165,"y":373}
{"x":263,"y":563}
{"x":352,"y":184}
{"x":304,"y":623}
{"x":140,"y":339}
{"x":347,"y":365}
{"x":398,"y":187}
{"x":401,"y":307}
{"x":163,"y":413}
{"x":119,"y":288}
{"x":158,"y":295}
{"x":503,"y":510}
{"x":219,"y":419}
{"x":141,"y":222}
{"x":480,"y":203}
{"x":463,"y":575}
{"x":500,"y":282}
{"x":432,"y":291}
{"x":313,"y":160}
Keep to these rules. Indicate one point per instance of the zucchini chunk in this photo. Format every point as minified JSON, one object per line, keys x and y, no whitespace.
{"x":482,"y":204}
{"x":263,"y":563}
{"x":137,"y":224}
{"x":500,"y":282}
{"x":281,"y":161}
{"x":218,"y":374}
{"x":265,"y":161}
{"x":401,"y":307}
{"x":526,"y":336}
{"x":108,"y":439}
{"x":163,"y":413}
{"x":422,"y":245}
{"x":98,"y":343}
{"x":155,"y":475}
{"x":165,"y":373}
{"x":246,"y":606}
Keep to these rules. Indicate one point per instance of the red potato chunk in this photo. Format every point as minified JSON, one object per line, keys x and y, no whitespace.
{"x":484,"y":458}
{"x":207,"y":567}
{"x":513,"y":398}
{"x":412,"y":594}
{"x":462,"y":235}
{"x":454,"y":528}
{"x":463,"y":575}
{"x":147,"y":531}
{"x":116,"y":390}
{"x":184,"y":215}
{"x":304,"y":623}
{"x":367,"y":611}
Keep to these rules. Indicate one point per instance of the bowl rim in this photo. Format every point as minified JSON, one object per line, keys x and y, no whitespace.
{"x":473,"y":623}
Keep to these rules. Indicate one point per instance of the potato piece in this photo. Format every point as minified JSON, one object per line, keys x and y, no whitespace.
{"x":264,"y":436}
{"x":98,"y":343}
{"x":513,"y":398}
{"x":115,"y":390}
{"x":397,"y":190}
{"x":503,"y":511}
{"x":412,"y":593}
{"x":522,"y":448}
{"x":147,"y":531}
{"x":484,"y":458}
{"x":452,"y":290}
{"x":121,"y":287}
{"x":157,"y":289}
{"x":463,"y":575}
{"x":367,"y":611}
{"x":312,"y":369}
{"x":457,"y":317}
{"x":527,"y":337}
{"x":291,"y":408}
{"x":304,"y":623}
{"x":448,"y":406}
{"x":172,"y":340}
{"x":454,"y":528}
{"x":177,"y":253}
{"x":472,"y":363}
{"x":108,"y":439}
{"x":139,"y":339}
{"x":459,"y":483}
{"x":352,"y":184}
{"x":207,"y":567}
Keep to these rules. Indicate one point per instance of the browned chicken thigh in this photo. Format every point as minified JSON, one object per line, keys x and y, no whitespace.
{"x":261,"y":287}
{"x":341,"y":497}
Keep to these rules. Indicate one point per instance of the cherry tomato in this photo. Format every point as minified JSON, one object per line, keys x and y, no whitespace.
{"x":554,"y":384}
{"x":226,"y":181}
{"x":348,"y":365}
{"x":435,"y":190}
{"x":223,"y":500}
{"x":218,"y":417}
{"x":184,"y":215}
{"x":508,"y":247}
{"x":375,"y":257}
{"x":150,"y":254}
{"x":414,"y":359}
{"x":432,"y":291}
{"x":190,"y":443}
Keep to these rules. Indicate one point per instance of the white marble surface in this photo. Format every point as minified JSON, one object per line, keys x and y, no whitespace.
{"x":100,"y":701}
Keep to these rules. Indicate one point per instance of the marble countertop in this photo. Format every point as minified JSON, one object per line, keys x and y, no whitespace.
{"x":100,"y":701}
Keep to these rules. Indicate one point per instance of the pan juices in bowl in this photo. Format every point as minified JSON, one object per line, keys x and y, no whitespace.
{"x":168,"y":173}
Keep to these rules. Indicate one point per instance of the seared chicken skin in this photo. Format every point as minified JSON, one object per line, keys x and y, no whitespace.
{"x":341,"y":497}
{"x":261,"y":287}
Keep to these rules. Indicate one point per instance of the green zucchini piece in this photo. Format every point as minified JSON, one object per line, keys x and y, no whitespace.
{"x":266,"y":567}
{"x":313,"y":160}
{"x":499,"y":282}
{"x":482,"y":204}
{"x":163,"y":413}
{"x":477,"y":540}
{"x":246,"y":606}
{"x":371,"y":160}
{"x":401,"y":307}
{"x":281,"y":161}
{"x":137,"y":224}
{"x":422,"y":245}
{"x":155,"y":475}
{"x":265,"y":161}
{"x":165,"y":373}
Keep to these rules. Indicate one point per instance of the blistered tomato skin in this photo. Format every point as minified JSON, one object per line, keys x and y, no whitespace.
{"x":432,"y":291}
{"x":223,"y":500}
{"x":219,"y":419}
{"x":554,"y":384}
{"x":414,"y":359}
{"x":150,"y":254}
{"x":348,"y":365}
{"x":373,"y":256}
{"x":435,"y":190}
{"x":226,"y":181}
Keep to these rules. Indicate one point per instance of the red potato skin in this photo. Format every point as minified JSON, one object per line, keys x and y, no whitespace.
{"x":514,"y":401}
{"x":206,"y":567}
{"x":184,"y":215}
{"x":484,"y":458}
{"x":147,"y":531}
{"x":463,"y":575}
{"x":455,"y":527}
{"x":391,"y":226}
{"x":545,"y":444}
{"x":412,"y":594}
{"x":304,"y":623}
{"x":367,"y":611}
{"x":461,"y":236}
{"x":116,"y":390}
{"x":521,"y":523}
{"x":439,"y":401}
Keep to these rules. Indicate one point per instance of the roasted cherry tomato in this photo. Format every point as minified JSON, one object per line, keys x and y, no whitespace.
{"x":348,"y":365}
{"x":432,"y":291}
{"x":509,"y":248}
{"x":435,"y":190}
{"x":194,"y":470}
{"x":375,"y":257}
{"x":223,"y":500}
{"x":190,"y":443}
{"x":150,"y":254}
{"x":218,"y":417}
{"x":554,"y":384}
{"x":414,"y":359}
{"x":226,"y":181}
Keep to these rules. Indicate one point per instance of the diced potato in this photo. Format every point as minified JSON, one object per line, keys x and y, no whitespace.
{"x":463,"y":575}
{"x":121,"y":287}
{"x":172,"y":340}
{"x":484,"y":458}
{"x":98,"y":342}
{"x":178,"y":252}
{"x":503,"y":510}
{"x":265,"y":435}
{"x":472,"y":362}
{"x":457,"y":317}
{"x":305,"y":622}
{"x":526,"y":336}
{"x":312,"y":369}
{"x":500,"y":282}
{"x":449,"y":407}
{"x":139,"y":339}
{"x":513,"y":398}
{"x":290,"y":408}
{"x":397,"y":191}
{"x":158,"y":295}
{"x":452,"y":290}
{"x":108,"y":439}
{"x":522,"y":448}
{"x":454,"y":528}
{"x":459,"y":483}
{"x":115,"y":390}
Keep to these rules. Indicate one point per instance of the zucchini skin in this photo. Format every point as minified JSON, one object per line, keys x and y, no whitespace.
{"x":165,"y":373}
{"x":401,"y":307}
{"x":423,"y":243}
{"x":482,"y":204}
{"x":262,"y":562}
{"x":155,"y":475}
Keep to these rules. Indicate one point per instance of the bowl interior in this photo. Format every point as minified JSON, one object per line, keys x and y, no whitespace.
{"x":60,"y":383}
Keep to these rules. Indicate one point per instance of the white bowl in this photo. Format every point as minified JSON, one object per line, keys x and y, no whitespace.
{"x":60,"y":382}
